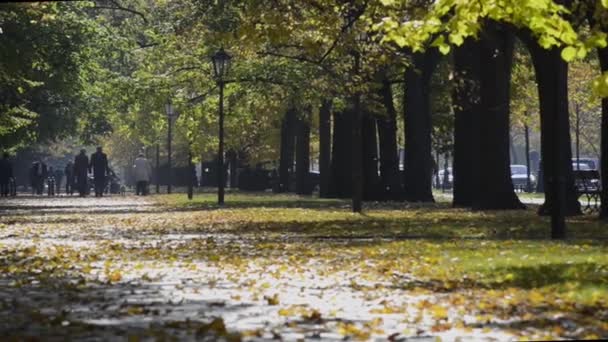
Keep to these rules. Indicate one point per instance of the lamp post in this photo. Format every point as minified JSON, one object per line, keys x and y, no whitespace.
{"x":221,"y":65}
{"x":171,"y":116}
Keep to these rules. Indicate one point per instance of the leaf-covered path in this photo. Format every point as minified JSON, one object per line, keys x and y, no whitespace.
{"x":262,"y":269}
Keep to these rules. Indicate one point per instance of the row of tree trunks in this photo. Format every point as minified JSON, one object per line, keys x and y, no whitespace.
{"x":295,"y":137}
{"x":418,"y":162}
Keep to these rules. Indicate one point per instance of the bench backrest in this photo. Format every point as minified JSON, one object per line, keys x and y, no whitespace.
{"x":583,"y":179}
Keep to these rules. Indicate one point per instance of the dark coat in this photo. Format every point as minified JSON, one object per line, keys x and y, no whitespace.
{"x":99,"y":164}
{"x":81,"y":165}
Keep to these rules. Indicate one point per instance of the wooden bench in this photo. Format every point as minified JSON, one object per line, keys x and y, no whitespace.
{"x":588,"y":187}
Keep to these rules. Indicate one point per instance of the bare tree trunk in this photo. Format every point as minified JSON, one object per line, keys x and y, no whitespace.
{"x":417,"y":116}
{"x":371,"y":181}
{"x":325,"y":148}
{"x":495,"y":184}
{"x":341,"y":181}
{"x":467,"y":110}
{"x":552,"y":78}
{"x":287,"y":149}
{"x":387,"y":135}
{"x":303,"y":155}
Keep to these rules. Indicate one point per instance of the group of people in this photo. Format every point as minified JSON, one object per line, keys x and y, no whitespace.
{"x":6,"y":175}
{"x":83,"y":165}
{"x":76,"y":175}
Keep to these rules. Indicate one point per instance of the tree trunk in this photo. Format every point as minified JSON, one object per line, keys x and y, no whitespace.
{"x":233,"y":164}
{"x":303,"y":155}
{"x":552,"y":78}
{"x":417,"y":116}
{"x":341,"y":180}
{"x":325,"y":148}
{"x":389,"y":155}
{"x":603,"y":57}
{"x":287,"y":149}
{"x":371,"y":181}
{"x":467,"y":110}
{"x":495,"y":184}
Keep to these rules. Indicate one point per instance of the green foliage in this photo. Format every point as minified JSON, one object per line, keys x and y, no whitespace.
{"x":45,"y":51}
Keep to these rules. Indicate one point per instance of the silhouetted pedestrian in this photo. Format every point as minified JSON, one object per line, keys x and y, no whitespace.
{"x":143,"y":173}
{"x":69,"y":178}
{"x":99,"y":166}
{"x":81,"y":167}
{"x":6,"y":173}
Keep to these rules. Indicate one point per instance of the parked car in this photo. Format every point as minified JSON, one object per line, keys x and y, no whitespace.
{"x":581,"y":166}
{"x":591,"y":163}
{"x":519,"y":177}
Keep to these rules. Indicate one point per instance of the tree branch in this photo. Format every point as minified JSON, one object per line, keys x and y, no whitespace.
{"x":119,"y":7}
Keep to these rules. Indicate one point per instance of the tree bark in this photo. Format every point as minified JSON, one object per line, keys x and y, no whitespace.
{"x":603,"y":57}
{"x":417,"y":116}
{"x":325,"y":148}
{"x":494,"y":179}
{"x":303,"y":155}
{"x":552,"y":78}
{"x":233,"y":165}
{"x":467,"y":110}
{"x":371,"y":181}
{"x":341,"y":180}
{"x":287,"y":149}
{"x":389,"y":155}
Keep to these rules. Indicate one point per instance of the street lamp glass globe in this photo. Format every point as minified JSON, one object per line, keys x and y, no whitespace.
{"x":221,"y":63}
{"x":169,"y":109}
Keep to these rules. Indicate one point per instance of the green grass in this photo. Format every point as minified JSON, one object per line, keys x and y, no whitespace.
{"x":447,"y":248}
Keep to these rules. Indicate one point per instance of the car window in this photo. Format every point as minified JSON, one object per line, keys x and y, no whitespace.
{"x":581,"y":166}
{"x":518,"y":170}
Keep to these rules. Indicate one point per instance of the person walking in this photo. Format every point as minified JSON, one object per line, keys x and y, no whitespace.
{"x":81,"y":167}
{"x":69,"y":178}
{"x":143,"y":173}
{"x":6,"y":173}
{"x":99,"y":166}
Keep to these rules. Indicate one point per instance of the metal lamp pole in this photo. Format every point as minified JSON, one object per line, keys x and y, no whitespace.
{"x":221,"y":65}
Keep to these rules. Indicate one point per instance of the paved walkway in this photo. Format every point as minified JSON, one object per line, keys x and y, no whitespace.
{"x":124,"y":266}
